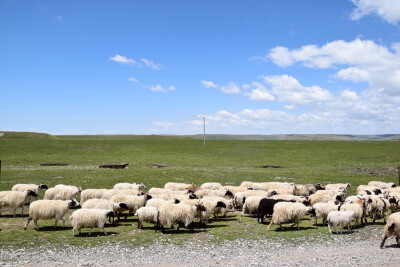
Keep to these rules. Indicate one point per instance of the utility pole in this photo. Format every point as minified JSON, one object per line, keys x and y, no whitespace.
{"x":204,"y":131}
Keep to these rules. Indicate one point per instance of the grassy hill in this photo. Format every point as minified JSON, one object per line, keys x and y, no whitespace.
{"x":24,"y":135}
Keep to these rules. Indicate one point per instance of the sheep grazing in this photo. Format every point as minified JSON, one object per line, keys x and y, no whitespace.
{"x":176,"y":186}
{"x":321,"y":210}
{"x":72,"y":187}
{"x":90,"y":218}
{"x":382,"y":185}
{"x":106,"y":204}
{"x":160,"y":191}
{"x":212,"y":186}
{"x":212,"y":207}
{"x":235,"y":189}
{"x":366,"y":187}
{"x":227,"y":204}
{"x":273,"y":185}
{"x":341,"y":218}
{"x":157,"y":202}
{"x":247,"y":184}
{"x":214,"y":193}
{"x":184,"y":214}
{"x":266,"y":207}
{"x":292,"y":198}
{"x":15,"y":199}
{"x":288,"y":211}
{"x":61,"y":193}
{"x":358,"y":210}
{"x":251,"y":205}
{"x":49,"y":209}
{"x":338,"y":186}
{"x":391,"y":190}
{"x":92,"y":193}
{"x":392,"y":228}
{"x":25,"y":187}
{"x":133,"y":202}
{"x":377,"y":206}
{"x":147,"y":214}
{"x":126,"y":186}
{"x":315,"y":198}
{"x":306,"y":189}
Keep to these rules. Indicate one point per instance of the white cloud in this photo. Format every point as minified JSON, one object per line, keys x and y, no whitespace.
{"x":230,"y":88}
{"x":160,"y":88}
{"x":358,"y":61}
{"x":151,"y":64}
{"x":289,"y":89}
{"x":133,"y":79}
{"x":389,"y":10}
{"x":59,"y":17}
{"x":122,"y":59}
{"x":209,"y":84}
{"x":163,"y":124}
{"x":258,"y":92}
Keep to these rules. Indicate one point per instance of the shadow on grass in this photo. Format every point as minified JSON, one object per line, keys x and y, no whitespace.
{"x":12,"y":216}
{"x":95,"y":234}
{"x":393,"y":246}
{"x":52,"y":229}
{"x":291,"y":229}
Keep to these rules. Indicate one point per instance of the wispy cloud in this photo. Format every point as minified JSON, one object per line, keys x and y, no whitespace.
{"x":163,"y":124}
{"x":151,"y":64}
{"x":389,"y":10}
{"x":160,"y":88}
{"x":230,"y":88}
{"x":133,"y":79}
{"x":122,"y":59}
{"x":59,"y":17}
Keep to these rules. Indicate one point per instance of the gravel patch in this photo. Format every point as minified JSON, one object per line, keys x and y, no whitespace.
{"x":340,"y":250}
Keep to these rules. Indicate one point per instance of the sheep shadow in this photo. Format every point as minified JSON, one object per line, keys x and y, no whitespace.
{"x":215,"y":226}
{"x":16,"y":216}
{"x":392,"y":246}
{"x":53,"y":229}
{"x":181,"y":231}
{"x":95,"y":234}
{"x":291,"y":229}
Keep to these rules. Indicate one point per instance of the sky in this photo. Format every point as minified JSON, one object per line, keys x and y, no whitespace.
{"x":161,"y":66}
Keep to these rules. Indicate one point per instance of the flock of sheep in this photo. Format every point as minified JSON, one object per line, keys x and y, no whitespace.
{"x":183,"y":204}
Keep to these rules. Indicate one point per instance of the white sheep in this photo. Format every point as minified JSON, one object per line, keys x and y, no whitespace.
{"x":124,"y":186}
{"x":367,"y":187}
{"x":240,"y":197}
{"x":288,"y":211}
{"x":176,"y":186}
{"x":382,"y":185}
{"x":15,"y":199}
{"x":147,"y":214}
{"x":72,"y":187}
{"x":49,"y":209}
{"x":212,"y":186}
{"x":272,"y":185}
{"x":228,"y":204}
{"x":90,"y":218}
{"x":331,"y":192}
{"x":92,"y":193}
{"x":306,"y":189}
{"x":315,"y":198}
{"x":247,"y":184}
{"x":391,"y":190}
{"x":251,"y":204}
{"x":341,"y":218}
{"x":235,"y":189}
{"x":106,"y":204}
{"x":377,"y":206}
{"x":321,"y":210}
{"x":25,"y":187}
{"x":184,"y":214}
{"x":392,"y":228}
{"x":298,"y":199}
{"x":157,"y":202}
{"x":214,"y":193}
{"x":358,"y":210}
{"x":61,"y":193}
{"x":159,"y":191}
{"x":133,"y":202}
{"x":341,"y":186}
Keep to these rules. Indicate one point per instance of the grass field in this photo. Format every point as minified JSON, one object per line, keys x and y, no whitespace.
{"x":225,"y":161}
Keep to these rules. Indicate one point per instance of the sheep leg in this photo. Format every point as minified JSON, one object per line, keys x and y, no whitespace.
{"x":398,"y":241}
{"x":348,"y":227}
{"x":27,"y":223}
{"x":139,"y":224}
{"x":36,"y":225}
{"x":90,"y":232}
{"x":329,"y":228}
{"x":15,"y":210}
{"x":383,"y":241}
{"x":269,"y":225}
{"x":55,"y":223}
{"x":63,"y":220}
{"x":104,"y":230}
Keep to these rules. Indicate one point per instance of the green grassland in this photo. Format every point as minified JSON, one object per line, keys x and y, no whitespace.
{"x":226,"y":161}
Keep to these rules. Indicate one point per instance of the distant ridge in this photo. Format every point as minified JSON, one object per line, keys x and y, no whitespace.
{"x":24,"y":135}
{"x":342,"y":137}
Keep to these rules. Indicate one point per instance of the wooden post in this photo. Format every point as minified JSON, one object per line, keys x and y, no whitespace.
{"x":398,"y":170}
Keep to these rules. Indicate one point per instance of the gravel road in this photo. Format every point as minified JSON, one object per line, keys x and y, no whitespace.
{"x":359,"y":248}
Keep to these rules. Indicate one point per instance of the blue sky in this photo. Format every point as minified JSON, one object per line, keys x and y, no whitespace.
{"x":159,"y":67}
